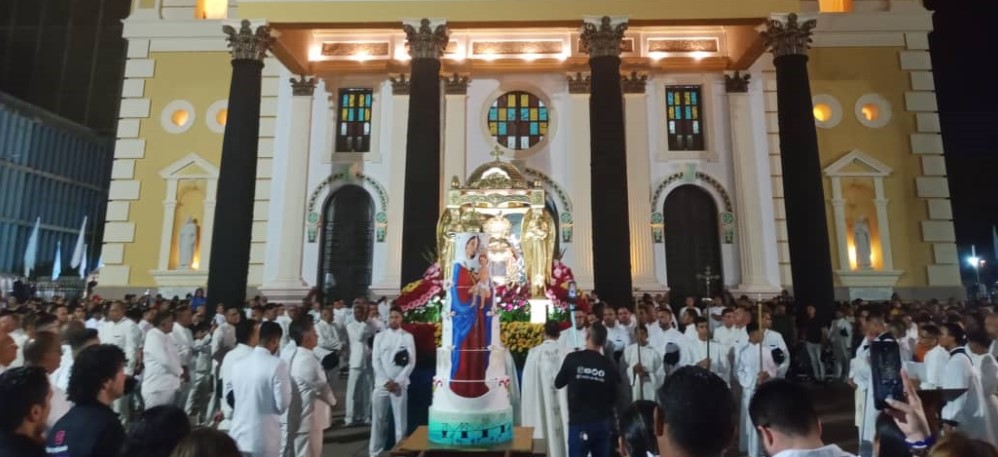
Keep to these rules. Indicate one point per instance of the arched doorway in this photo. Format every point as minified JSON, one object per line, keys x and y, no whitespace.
{"x":692,"y":243}
{"x":347,"y":247}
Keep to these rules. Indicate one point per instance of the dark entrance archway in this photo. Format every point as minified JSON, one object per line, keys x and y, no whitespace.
{"x":692,"y":243}
{"x":347,"y":247}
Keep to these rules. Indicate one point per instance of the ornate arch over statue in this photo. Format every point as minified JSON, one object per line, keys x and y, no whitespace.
{"x":331,"y":184}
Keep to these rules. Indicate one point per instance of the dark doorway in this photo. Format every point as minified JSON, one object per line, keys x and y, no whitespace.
{"x":692,"y":243}
{"x":347,"y":247}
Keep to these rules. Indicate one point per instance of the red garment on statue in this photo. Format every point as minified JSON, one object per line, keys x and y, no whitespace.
{"x":469,"y":379}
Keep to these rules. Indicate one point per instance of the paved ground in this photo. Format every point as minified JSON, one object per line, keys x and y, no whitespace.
{"x":833,"y":401}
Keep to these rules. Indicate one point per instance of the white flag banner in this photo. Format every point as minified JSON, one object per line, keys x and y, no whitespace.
{"x":31,"y":250}
{"x":57,"y":264}
{"x":78,"y":249}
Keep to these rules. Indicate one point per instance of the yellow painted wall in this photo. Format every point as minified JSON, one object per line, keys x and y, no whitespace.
{"x":509,"y":10}
{"x":200,"y":78}
{"x":847,"y":74}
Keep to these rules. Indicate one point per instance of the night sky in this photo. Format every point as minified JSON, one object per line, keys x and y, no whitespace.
{"x":965,"y":63}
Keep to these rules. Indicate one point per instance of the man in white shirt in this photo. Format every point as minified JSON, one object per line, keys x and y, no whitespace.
{"x":968,"y":412}
{"x":247,"y":338}
{"x":774,"y":343}
{"x":671,"y":345}
{"x":183,"y":338}
{"x":935,"y":359}
{"x":359,"y":380}
{"x":329,"y":348}
{"x":196,"y":404}
{"x":311,"y":397}
{"x":394,"y":357}
{"x":840,"y":338}
{"x":715,"y":312}
{"x":726,"y":334}
{"x":710,"y":354}
{"x":122,"y":332}
{"x":544,"y":407}
{"x":222,"y":341}
{"x":616,"y":334}
{"x":574,"y":338}
{"x":690,"y":304}
{"x":754,"y":366}
{"x":163,"y":368}
{"x":261,"y":393}
{"x":626,"y":319}
{"x":147,"y":320}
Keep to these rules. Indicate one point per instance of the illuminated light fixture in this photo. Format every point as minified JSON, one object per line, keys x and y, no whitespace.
{"x":656,"y":56}
{"x":539,"y":310}
{"x":315,"y":52}
{"x":699,"y":55}
{"x":213,"y":9}
{"x":180,"y":117}
{"x":870,"y":111}
{"x":853,"y":263}
{"x":361,"y":56}
{"x":489,"y":56}
{"x":222,"y":116}
{"x":530,"y":57}
{"x":822,"y":112}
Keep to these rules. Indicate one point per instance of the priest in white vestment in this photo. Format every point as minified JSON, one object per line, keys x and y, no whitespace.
{"x":574,"y":338}
{"x":308,"y":414}
{"x":672,"y":346}
{"x":985,"y":363}
{"x":393,"y":358}
{"x":163,"y":367}
{"x":710,"y":354}
{"x":545,"y":408}
{"x":754,"y":366}
{"x":261,"y":393}
{"x":968,"y":412}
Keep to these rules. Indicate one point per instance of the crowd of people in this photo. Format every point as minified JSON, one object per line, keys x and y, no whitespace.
{"x":151,"y":376}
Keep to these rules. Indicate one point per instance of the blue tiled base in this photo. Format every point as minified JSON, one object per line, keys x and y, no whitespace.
{"x":471,"y":428}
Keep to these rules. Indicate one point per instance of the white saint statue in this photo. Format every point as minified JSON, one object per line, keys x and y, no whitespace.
{"x":186,"y":243}
{"x":861,"y":238}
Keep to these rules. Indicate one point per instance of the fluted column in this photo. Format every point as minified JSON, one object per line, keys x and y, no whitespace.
{"x":580,"y":182}
{"x":807,"y":227}
{"x":601,"y":38}
{"x":288,"y":193}
{"x":426,"y":43}
{"x":230,"y":248}
{"x":639,"y":182}
{"x":751,"y":169}
{"x":393,"y":239}
{"x":455,"y":131}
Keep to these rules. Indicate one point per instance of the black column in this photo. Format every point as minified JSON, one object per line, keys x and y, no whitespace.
{"x":422,"y":150}
{"x":611,"y":226}
{"x":230,"y":247}
{"x":803,"y":190}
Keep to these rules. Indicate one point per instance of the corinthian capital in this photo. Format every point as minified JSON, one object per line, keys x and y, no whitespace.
{"x":601,"y":36}
{"x":246,"y":44}
{"x":790,"y":37}
{"x":303,"y":86}
{"x":426,"y":41}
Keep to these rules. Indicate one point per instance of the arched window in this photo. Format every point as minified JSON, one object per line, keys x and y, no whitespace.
{"x":518,"y":120}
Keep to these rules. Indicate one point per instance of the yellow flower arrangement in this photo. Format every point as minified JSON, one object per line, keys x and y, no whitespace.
{"x":520,"y":337}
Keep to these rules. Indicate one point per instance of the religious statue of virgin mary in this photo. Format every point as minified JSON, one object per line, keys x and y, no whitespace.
{"x":471,"y":301}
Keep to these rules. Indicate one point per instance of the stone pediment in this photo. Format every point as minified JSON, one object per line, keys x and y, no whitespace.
{"x":857,"y":163}
{"x":190,"y":166}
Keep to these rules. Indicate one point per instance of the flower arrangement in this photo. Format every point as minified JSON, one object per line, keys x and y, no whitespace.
{"x":512,"y":301}
{"x":520,"y":337}
{"x":418,"y":294}
{"x":557,"y":290}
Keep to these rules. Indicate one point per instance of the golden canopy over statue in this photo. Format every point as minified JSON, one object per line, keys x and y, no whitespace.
{"x":495,"y":193}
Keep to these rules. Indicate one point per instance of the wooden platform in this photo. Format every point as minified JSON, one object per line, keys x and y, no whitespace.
{"x":418,"y":445}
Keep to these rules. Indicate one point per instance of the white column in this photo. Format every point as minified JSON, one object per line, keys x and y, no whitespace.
{"x":455,"y":132}
{"x":288,"y":194}
{"x":169,"y":212}
{"x":580,"y":183}
{"x":639,"y":183}
{"x":208,"y":223}
{"x":750,"y":164}
{"x":839,"y":213}
{"x":393,"y":239}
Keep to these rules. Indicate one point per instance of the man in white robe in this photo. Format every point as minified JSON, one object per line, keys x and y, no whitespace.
{"x":122,"y":332}
{"x":935,"y":358}
{"x":545,"y":408}
{"x":261,"y":393}
{"x":754,"y":366}
{"x":616,"y":334}
{"x":775,"y":343}
{"x":672,"y":346}
{"x":574,"y":338}
{"x":968,"y":412}
{"x":985,"y":363}
{"x":393,"y":359}
{"x":183,"y":338}
{"x":329,"y":349}
{"x":359,"y":380}
{"x":710,"y":354}
{"x":311,"y":397}
{"x":840,"y":338}
{"x":247,"y":338}
{"x":875,"y":330}
{"x":163,"y":368}
{"x":645,"y":372}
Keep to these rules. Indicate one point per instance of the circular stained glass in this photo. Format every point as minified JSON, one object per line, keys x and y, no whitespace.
{"x":518,"y":120}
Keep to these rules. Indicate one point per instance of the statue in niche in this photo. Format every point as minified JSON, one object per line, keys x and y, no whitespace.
{"x":187,"y":243}
{"x":861,"y":238}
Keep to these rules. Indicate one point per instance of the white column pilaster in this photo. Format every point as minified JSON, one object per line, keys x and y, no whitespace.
{"x":580,"y":251}
{"x":639,"y":183}
{"x":455,"y":133}
{"x":396,"y":204}
{"x":288,"y":193}
{"x":208,"y":224}
{"x":750,"y":165}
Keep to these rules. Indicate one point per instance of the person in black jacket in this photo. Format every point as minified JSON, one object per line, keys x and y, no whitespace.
{"x":592,"y":383}
{"x":25,"y":395}
{"x":91,"y":428}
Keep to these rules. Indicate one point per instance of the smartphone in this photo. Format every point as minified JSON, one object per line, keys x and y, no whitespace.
{"x":885,"y":366}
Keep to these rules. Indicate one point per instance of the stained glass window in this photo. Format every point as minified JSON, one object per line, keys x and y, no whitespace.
{"x":685,"y":121}
{"x":353,"y":129}
{"x":518,"y":120}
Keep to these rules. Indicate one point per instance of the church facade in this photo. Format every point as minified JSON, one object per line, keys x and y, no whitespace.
{"x":705,"y":195}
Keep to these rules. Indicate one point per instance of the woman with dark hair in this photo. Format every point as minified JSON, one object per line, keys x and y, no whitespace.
{"x":206,"y":442}
{"x":156,"y":433}
{"x":637,"y":430}
{"x":888,"y":440}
